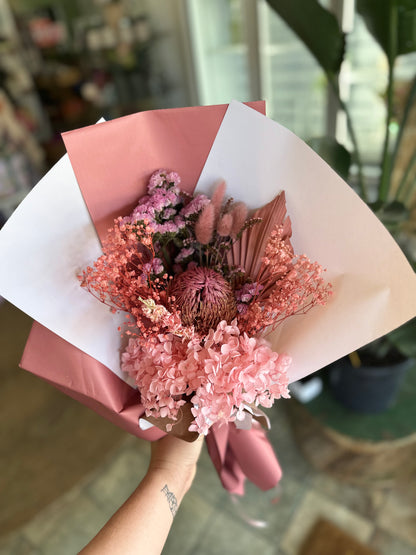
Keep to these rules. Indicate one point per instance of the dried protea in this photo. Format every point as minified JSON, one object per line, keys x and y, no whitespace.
{"x":204,"y":298}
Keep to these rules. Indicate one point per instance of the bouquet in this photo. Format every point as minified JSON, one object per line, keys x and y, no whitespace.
{"x":200,"y":281}
{"x":75,"y":343}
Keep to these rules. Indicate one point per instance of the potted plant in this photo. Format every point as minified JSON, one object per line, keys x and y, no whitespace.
{"x":369,"y":379}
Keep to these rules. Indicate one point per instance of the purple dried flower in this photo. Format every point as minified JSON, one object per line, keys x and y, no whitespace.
{"x":163,"y":179}
{"x":195,"y":206}
{"x":166,"y":227}
{"x":184,"y":253}
{"x":246,"y":294}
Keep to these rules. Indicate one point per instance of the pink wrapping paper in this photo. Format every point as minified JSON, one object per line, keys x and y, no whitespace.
{"x":112,"y":175}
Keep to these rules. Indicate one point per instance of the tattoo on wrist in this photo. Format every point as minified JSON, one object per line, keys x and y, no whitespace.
{"x":171,"y":498}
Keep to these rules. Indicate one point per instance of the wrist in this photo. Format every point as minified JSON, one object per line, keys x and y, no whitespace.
{"x":178,"y":478}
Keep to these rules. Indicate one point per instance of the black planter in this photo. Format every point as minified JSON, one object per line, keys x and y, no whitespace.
{"x":367,"y":389}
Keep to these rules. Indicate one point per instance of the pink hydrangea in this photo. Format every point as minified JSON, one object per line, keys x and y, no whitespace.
{"x":223,"y":373}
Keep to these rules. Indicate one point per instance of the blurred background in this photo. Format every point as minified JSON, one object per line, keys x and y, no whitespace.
{"x":349,"y":468}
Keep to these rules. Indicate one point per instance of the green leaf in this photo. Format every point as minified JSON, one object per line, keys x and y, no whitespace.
{"x":317,"y":28}
{"x":410,"y":102}
{"x":392,"y":23}
{"x":333,"y":153}
{"x":391,"y":214}
{"x":404,"y":339}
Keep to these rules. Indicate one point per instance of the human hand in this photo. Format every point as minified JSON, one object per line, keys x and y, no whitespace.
{"x":176,"y":457}
{"x":142,"y":523}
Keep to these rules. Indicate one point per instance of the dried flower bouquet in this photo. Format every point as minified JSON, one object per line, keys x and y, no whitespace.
{"x":202,"y":282}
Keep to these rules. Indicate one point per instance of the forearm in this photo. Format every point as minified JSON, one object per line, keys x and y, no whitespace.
{"x":142,"y":524}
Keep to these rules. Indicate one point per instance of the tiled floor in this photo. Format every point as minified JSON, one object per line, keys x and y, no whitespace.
{"x":209,"y":522}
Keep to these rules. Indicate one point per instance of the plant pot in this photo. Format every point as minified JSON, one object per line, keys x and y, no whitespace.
{"x":367,"y":389}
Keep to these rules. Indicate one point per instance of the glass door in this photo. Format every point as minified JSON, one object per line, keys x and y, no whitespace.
{"x":220,"y":50}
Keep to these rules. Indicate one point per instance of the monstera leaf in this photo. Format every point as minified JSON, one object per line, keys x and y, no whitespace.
{"x":317,"y":28}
